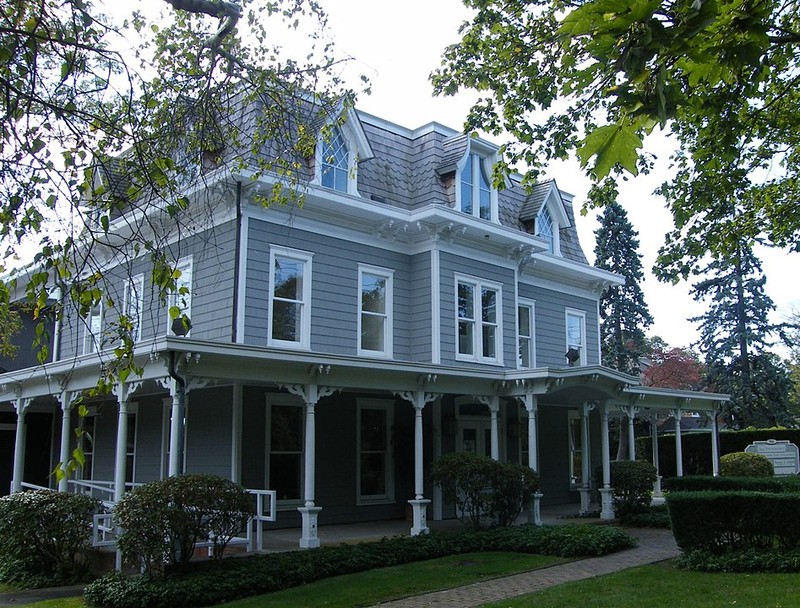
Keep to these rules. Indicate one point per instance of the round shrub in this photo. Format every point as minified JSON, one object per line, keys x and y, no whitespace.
{"x":632,"y":482}
{"x":162,"y":521}
{"x":42,"y":537}
{"x":746,"y":464}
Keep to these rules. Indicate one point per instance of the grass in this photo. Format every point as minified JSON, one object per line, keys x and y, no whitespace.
{"x":665,"y":586}
{"x":660,"y":585}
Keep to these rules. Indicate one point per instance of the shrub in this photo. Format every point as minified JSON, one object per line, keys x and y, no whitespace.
{"x":721,"y":522}
{"x":42,"y":535}
{"x":746,"y":464}
{"x":653,"y":517}
{"x":483,"y":490}
{"x":162,"y":521}
{"x":632,"y":481}
{"x":696,"y":483}
{"x":751,"y":560}
{"x":239,"y":578}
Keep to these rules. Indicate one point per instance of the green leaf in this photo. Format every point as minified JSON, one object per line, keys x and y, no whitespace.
{"x":612,"y":145}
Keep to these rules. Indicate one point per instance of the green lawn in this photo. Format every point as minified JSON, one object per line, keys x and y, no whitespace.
{"x":665,"y":586}
{"x":660,"y":585}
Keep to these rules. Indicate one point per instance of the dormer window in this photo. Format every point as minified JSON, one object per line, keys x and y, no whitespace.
{"x":334,"y":158}
{"x":475,"y":197}
{"x":544,"y":229}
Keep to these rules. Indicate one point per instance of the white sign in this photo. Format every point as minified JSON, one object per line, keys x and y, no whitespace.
{"x":785,"y":456}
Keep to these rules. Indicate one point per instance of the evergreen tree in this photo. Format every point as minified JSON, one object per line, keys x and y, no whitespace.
{"x":623,"y":311}
{"x":734,"y":334}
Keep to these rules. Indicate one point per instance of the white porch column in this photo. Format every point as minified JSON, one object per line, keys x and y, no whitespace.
{"x":678,"y":446}
{"x":66,"y":434}
{"x":419,"y":504}
{"x":493,"y":403}
{"x":309,"y":512}
{"x":658,"y":495}
{"x":236,"y":434}
{"x":531,"y":402}
{"x":122,"y":392}
{"x":630,"y":411}
{"x":607,"y":507}
{"x":585,"y":489}
{"x":178,"y":395}
{"x":714,"y":445}
{"x":21,"y":406}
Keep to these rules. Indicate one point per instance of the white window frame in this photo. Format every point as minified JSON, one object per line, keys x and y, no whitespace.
{"x":553,"y":245}
{"x":134,"y":286}
{"x":388,"y":315}
{"x":303,"y":341}
{"x":92,"y":336}
{"x":285,"y":401}
{"x":388,"y":496}
{"x":530,"y":305}
{"x":477,"y":321}
{"x":176,"y":299}
{"x":482,"y":161}
{"x":325,"y":137}
{"x":581,"y":315}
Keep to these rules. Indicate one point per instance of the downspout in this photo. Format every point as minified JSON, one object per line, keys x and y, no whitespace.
{"x":178,"y":416}
{"x":236,"y":262}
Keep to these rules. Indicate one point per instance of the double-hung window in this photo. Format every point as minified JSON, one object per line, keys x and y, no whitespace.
{"x":290,"y":298}
{"x":335,"y":161}
{"x":132,"y":305}
{"x":475,"y":196}
{"x":375,"y":288}
{"x":375,"y":482}
{"x":92,"y":335}
{"x":479,"y":321}
{"x":576,"y":334}
{"x":285,"y":449}
{"x":180,"y":301}
{"x":526,"y":353}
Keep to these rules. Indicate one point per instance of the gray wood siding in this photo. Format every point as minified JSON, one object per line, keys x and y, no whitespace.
{"x":421,"y":333}
{"x":213,"y":278}
{"x":450,"y":265}
{"x":334,"y":291}
{"x":208,"y":432}
{"x":551,"y":325}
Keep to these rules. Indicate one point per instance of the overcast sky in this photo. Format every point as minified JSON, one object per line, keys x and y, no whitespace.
{"x":398,"y":44}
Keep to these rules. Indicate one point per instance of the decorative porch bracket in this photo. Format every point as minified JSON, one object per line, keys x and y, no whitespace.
{"x":419,"y":504}
{"x":309,"y":512}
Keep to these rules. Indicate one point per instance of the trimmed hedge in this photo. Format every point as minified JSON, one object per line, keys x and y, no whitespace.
{"x":721,"y":522}
{"x":751,"y":560}
{"x":699,"y":483}
{"x":208,"y":584}
{"x":745,"y":464}
{"x":632,"y":482}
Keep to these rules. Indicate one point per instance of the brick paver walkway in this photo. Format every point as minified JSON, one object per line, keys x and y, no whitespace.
{"x":654,"y":546}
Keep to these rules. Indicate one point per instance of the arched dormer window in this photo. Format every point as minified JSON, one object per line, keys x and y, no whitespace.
{"x":334,"y":160}
{"x":475,"y":197}
{"x":544,"y":228}
{"x":340,"y":147}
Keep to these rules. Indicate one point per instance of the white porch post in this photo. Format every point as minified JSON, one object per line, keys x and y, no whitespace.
{"x":678,"y":446}
{"x":236,"y":434}
{"x":714,"y":445}
{"x":122,"y":445}
{"x":309,"y":512}
{"x":607,"y":507}
{"x":532,"y":406}
{"x":493,"y":403}
{"x":419,"y":504}
{"x":657,"y":493}
{"x":66,"y":409}
{"x":630,"y":412}
{"x":177,"y":393}
{"x":21,"y":406}
{"x":585,"y":489}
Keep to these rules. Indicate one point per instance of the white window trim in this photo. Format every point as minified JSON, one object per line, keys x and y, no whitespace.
{"x":582,"y":315}
{"x":304,"y":343}
{"x":352,"y":160}
{"x":558,"y":219}
{"x":487,"y":158}
{"x":388,"y":497}
{"x":388,"y":328}
{"x":186,"y":266}
{"x":92,"y":343}
{"x":288,"y":401}
{"x":530,"y":304}
{"x":136,"y":284}
{"x":477,"y":343}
